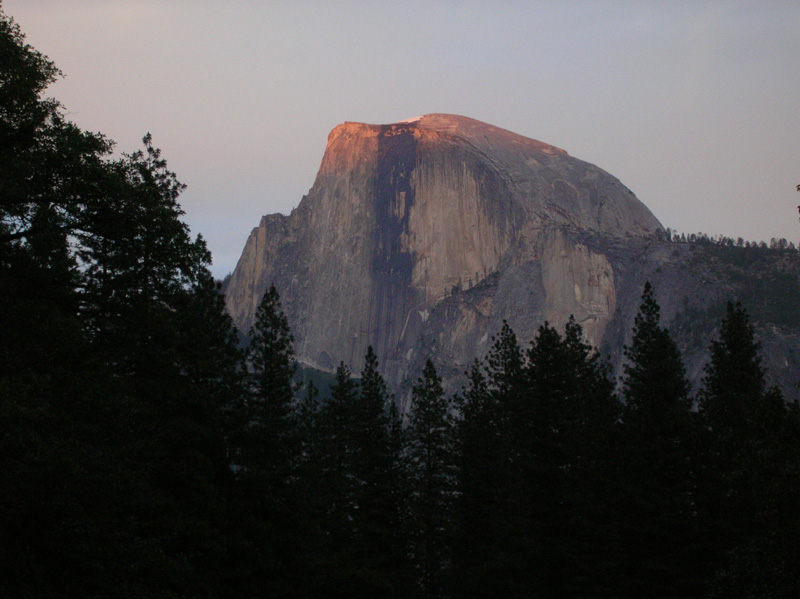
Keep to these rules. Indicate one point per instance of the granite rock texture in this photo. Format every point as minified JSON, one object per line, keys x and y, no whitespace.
{"x":420,"y":237}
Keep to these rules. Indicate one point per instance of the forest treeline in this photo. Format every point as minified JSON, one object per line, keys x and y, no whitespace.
{"x":144,"y":453}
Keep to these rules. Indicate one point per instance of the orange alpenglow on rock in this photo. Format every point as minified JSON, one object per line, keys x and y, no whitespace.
{"x":431,"y":231}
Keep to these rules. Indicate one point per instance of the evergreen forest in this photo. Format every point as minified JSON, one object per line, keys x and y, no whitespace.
{"x":146,"y":452}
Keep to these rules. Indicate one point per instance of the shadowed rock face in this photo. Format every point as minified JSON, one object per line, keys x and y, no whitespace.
{"x":427,"y":233}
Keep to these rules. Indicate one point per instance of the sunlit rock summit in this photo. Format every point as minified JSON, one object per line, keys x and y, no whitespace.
{"x":421,"y":237}
{"x":432,"y":231}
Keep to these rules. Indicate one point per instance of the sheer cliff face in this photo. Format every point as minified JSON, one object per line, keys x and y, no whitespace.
{"x":407,"y":224}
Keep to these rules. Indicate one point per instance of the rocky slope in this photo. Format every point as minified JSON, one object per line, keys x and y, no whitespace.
{"x":420,"y":237}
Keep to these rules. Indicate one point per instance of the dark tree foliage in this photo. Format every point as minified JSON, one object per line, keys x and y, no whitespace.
{"x":654,"y":383}
{"x":397,"y":487}
{"x":533,"y":514}
{"x":486,"y":559}
{"x":432,"y":482}
{"x":504,"y":365}
{"x":111,"y":407}
{"x":362,"y":486}
{"x":751,"y":495}
{"x":380,"y":544}
{"x":308,"y":428}
{"x":573,"y":414}
{"x":333,"y":494}
{"x":733,"y":385}
{"x":657,"y":470}
{"x":271,"y":358}
{"x":266,"y":447}
{"x":482,"y":553}
{"x":339,"y":457}
{"x":265,"y":451}
{"x":142,"y":454}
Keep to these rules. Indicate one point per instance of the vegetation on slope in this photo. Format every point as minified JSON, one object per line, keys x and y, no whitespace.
{"x":144,"y":454}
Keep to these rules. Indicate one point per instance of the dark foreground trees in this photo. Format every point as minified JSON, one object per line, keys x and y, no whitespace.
{"x":432,"y":483}
{"x":657,"y":495}
{"x":111,"y":391}
{"x":142,"y":454}
{"x":750,"y":492}
{"x":533,"y":515}
{"x":564,"y":491}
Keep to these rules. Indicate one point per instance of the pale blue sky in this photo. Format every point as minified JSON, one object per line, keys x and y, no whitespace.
{"x":692,"y":105}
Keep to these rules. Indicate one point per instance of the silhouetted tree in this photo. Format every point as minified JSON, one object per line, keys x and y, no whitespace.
{"x":362,"y":507}
{"x":486,"y":558}
{"x":751,"y":497}
{"x":432,"y":482}
{"x":658,"y":501}
{"x":112,"y":395}
{"x":265,"y":452}
{"x":564,"y":460}
{"x":379,"y":544}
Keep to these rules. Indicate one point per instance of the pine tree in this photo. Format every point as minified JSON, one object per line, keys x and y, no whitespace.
{"x":593,"y":549}
{"x":114,"y":392}
{"x":566,"y":464}
{"x":339,"y":477}
{"x":533,"y":460}
{"x":264,"y":451}
{"x":486,"y":559}
{"x":657,"y":506}
{"x":477,"y":439}
{"x":264,"y":454}
{"x":398,"y":480}
{"x":308,"y":428}
{"x":431,"y":482}
{"x":370,"y":430}
{"x":750,"y":493}
{"x":360,"y":440}
{"x":378,"y":544}
{"x":654,"y":383}
{"x":504,"y":365}
{"x":337,"y":490}
{"x":734,"y":385}
{"x":271,"y":357}
{"x":540,"y":465}
{"x":309,"y":500}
